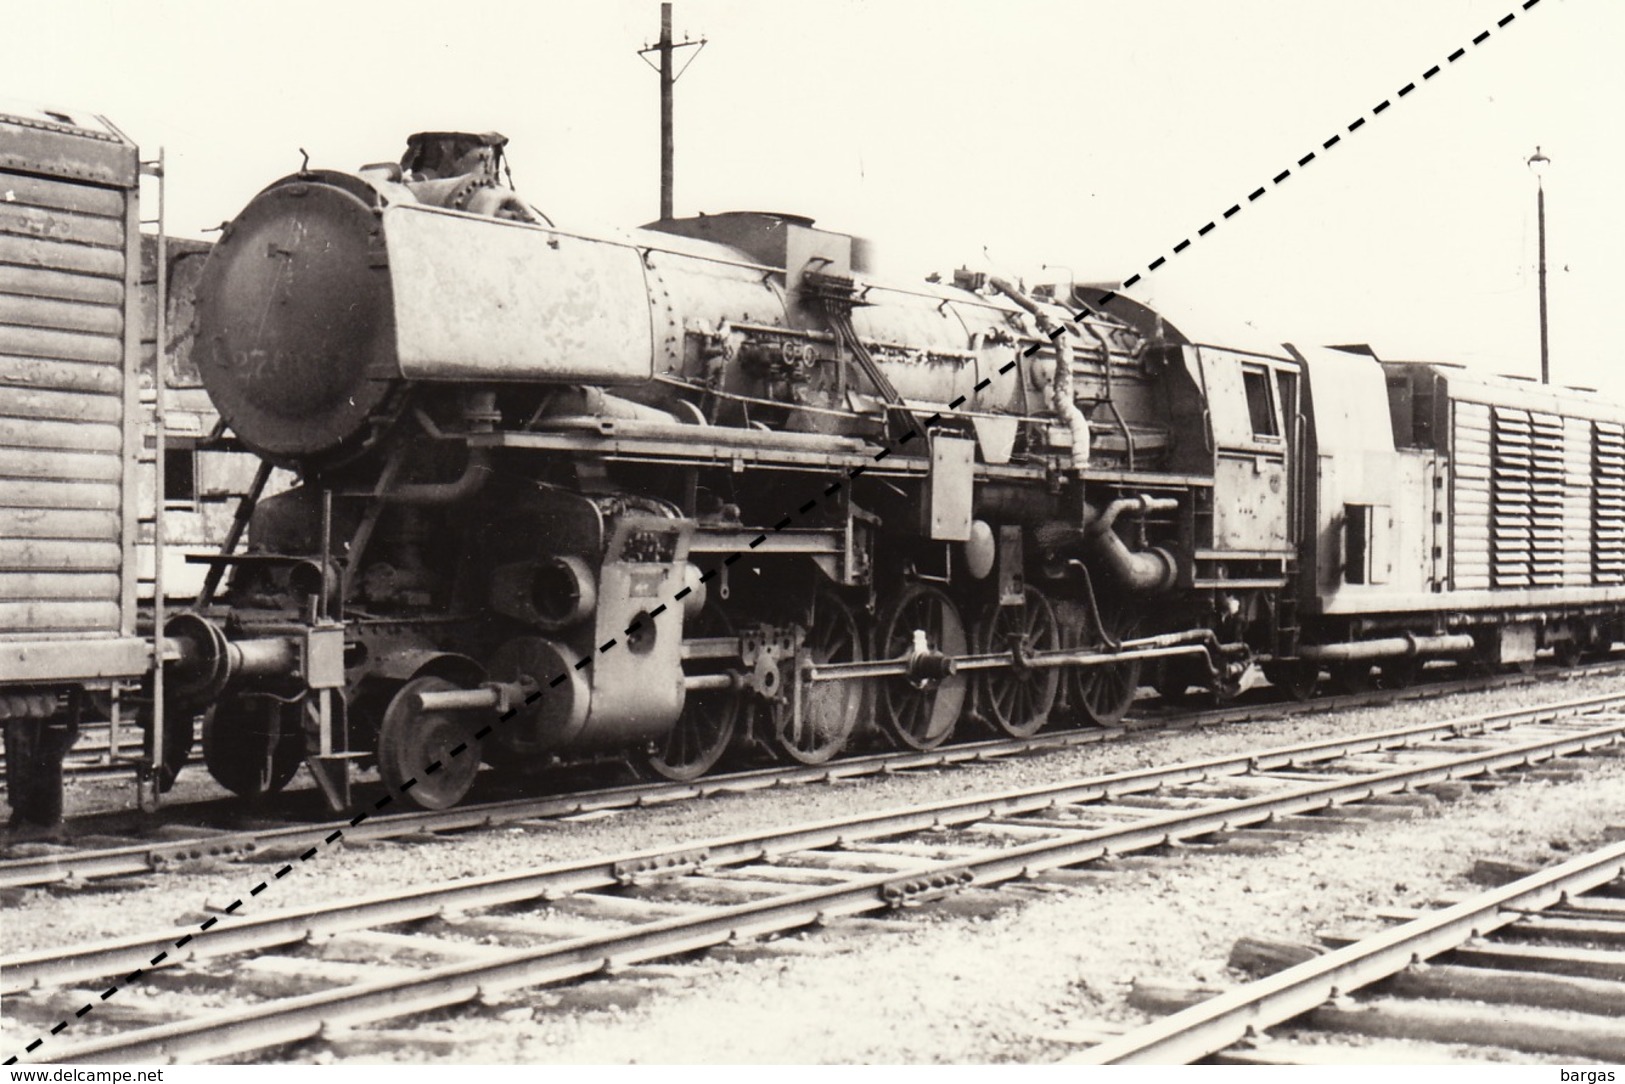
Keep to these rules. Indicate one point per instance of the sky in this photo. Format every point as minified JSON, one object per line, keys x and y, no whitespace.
{"x":1043,"y":139}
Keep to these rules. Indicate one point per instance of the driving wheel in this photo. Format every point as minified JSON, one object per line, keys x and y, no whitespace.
{"x":920,"y":714}
{"x":710,"y":718}
{"x":1018,"y":701}
{"x":830,"y":710}
{"x":1102,"y":694}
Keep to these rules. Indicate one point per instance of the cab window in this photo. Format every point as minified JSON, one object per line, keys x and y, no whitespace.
{"x":1261,"y":404}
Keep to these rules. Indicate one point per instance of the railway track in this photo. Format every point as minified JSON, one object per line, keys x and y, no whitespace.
{"x":1499,"y":970}
{"x":54,"y":863}
{"x":121,"y":848}
{"x":305,"y":973}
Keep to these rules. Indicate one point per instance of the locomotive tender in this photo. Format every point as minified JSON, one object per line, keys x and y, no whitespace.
{"x":709,"y":485}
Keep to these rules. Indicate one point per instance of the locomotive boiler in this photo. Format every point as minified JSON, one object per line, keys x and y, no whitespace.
{"x":700,"y":486}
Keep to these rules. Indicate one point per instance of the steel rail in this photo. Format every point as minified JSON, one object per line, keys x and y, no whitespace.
{"x":150,"y":855}
{"x":92,"y":763}
{"x":1222,"y":1021}
{"x":105,"y":863}
{"x":110,"y":957}
{"x":293,"y":1019}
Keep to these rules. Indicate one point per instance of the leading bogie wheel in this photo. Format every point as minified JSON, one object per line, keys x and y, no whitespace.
{"x":830,"y":709}
{"x":1017,"y":702}
{"x":252,"y":744}
{"x":920,"y":714}
{"x":419,"y":746}
{"x":709,"y":720}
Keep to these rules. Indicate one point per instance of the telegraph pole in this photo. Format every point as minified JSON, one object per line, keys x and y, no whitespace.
{"x":668,"y":79}
{"x":1537,"y":165}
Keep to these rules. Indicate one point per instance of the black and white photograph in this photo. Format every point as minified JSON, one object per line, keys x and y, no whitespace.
{"x":812,"y":532}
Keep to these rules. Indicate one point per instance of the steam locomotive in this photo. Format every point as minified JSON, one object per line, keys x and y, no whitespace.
{"x":710,"y":486}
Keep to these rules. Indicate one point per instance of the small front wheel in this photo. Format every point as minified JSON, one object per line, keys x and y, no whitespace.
{"x":429,"y":758}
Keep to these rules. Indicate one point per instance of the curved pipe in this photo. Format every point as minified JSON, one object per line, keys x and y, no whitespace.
{"x":1152,"y":569}
{"x":1062,"y":400}
{"x":476,"y":472}
{"x":595,"y":403}
{"x":1141,"y":505}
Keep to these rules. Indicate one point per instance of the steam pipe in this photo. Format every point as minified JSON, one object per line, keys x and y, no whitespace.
{"x":1390,"y":647}
{"x":1142,"y":504}
{"x":1153,"y":569}
{"x":498,"y":696}
{"x":476,"y":472}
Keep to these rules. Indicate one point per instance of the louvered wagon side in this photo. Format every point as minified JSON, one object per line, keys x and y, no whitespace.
{"x":1537,"y":508}
{"x":69,"y":436}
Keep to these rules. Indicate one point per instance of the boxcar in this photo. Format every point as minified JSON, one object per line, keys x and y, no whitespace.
{"x":70,"y":434}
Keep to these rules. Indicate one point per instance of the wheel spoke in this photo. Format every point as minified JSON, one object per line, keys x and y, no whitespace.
{"x":705,"y":729}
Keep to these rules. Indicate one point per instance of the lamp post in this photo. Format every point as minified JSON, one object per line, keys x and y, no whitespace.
{"x":1537,"y":165}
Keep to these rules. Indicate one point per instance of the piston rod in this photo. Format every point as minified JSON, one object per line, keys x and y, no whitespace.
{"x":1004,"y":660}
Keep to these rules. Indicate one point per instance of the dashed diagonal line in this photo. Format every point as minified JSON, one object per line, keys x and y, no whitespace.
{"x":830,"y":492}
